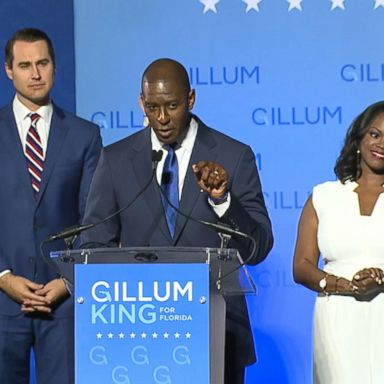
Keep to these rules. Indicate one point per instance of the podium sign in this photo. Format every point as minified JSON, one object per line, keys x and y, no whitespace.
{"x":151,"y":314}
{"x":135,"y":324}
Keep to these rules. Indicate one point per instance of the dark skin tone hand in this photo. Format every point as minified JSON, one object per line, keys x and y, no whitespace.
{"x":344,"y":286}
{"x":211,"y":178}
{"x":366,"y":283}
{"x":369,"y":282}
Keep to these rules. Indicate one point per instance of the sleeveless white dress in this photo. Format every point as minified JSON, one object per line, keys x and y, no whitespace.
{"x":348,"y":334}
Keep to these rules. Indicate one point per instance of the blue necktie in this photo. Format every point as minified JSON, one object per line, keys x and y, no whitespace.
{"x":170,"y":186}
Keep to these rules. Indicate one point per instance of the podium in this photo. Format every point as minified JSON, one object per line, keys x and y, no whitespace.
{"x":151,"y":315}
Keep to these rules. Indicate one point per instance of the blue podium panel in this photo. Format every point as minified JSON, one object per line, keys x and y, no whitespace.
{"x":140,"y":324}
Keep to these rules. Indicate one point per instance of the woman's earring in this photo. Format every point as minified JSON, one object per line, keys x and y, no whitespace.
{"x":145,"y":121}
{"x":358,"y":158}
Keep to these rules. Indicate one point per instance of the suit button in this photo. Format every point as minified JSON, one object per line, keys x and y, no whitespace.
{"x":36,"y":227}
{"x":31,"y":259}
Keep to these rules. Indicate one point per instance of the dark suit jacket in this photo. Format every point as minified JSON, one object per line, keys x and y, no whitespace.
{"x":73,"y":150}
{"x":125,"y":167}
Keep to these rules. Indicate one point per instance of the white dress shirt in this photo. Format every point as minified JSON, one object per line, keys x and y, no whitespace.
{"x":183,"y":154}
{"x":23,"y":123}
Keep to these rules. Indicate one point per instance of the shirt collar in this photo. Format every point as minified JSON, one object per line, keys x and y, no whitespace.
{"x":21,"y":111}
{"x":187,"y":143}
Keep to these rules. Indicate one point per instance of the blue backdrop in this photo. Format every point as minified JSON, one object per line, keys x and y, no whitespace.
{"x":56,"y":19}
{"x":285,"y":76}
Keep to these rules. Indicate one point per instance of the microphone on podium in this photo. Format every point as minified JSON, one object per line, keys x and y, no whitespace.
{"x":223,"y":230}
{"x":70,"y":234}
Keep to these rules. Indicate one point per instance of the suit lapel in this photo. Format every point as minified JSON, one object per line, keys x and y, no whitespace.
{"x":10,"y":142}
{"x":203,"y":149}
{"x":57,"y":133}
{"x":142,"y":167}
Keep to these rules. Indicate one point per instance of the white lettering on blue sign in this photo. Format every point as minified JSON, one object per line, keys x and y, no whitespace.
{"x":119,"y":313}
{"x":104,"y":292}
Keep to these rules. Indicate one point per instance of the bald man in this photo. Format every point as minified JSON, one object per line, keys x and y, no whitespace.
{"x":216,"y":179}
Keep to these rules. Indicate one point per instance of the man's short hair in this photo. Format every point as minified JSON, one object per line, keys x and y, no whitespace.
{"x":28,"y":35}
{"x":169,"y":69}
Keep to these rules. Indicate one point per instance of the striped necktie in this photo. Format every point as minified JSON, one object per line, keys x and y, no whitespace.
{"x":34,"y":153}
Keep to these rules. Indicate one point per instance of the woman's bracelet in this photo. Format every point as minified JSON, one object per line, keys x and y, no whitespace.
{"x":336,"y":285}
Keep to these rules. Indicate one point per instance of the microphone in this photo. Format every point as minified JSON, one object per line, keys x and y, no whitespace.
{"x":156,"y":158}
{"x":221,"y":229}
{"x":71,"y":233}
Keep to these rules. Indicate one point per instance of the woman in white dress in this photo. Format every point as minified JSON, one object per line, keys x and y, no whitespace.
{"x":343,"y":221}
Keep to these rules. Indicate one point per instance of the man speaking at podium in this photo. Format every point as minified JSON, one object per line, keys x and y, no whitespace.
{"x":47,"y":158}
{"x":203,"y":173}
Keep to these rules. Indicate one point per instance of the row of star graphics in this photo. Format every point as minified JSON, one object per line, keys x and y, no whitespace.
{"x":144,"y":335}
{"x":210,"y":5}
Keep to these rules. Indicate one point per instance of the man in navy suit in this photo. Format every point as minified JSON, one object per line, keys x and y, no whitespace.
{"x":35,"y":308}
{"x":217,"y":180}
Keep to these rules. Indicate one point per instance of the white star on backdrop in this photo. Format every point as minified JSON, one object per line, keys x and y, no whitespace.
{"x":143,"y":335}
{"x":294,"y":4}
{"x":337,"y":4}
{"x":252,"y":4}
{"x":209,"y":5}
